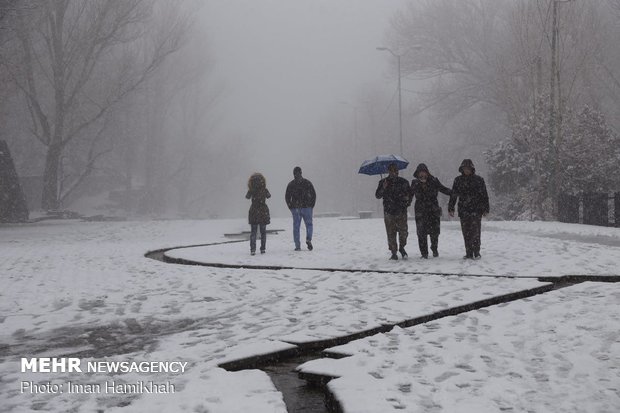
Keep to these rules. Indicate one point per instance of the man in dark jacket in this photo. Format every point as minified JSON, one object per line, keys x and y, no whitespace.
{"x":396,"y":199}
{"x":425,"y":189}
{"x":300,"y":199}
{"x":471,"y":192}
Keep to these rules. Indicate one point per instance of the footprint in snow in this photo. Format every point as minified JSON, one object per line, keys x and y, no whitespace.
{"x":487,"y":360}
{"x":458,"y":319}
{"x":466,"y":367}
{"x":445,"y":376}
{"x":91,"y":304}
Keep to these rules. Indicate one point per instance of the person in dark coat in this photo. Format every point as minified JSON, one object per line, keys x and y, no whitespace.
{"x":258,"y":216}
{"x":471,"y":191}
{"x":425,"y":188}
{"x":396,"y":199}
{"x":301,"y":198}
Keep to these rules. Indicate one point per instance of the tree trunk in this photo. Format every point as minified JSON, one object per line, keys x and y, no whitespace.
{"x":13,"y":207}
{"x":49,"y":199}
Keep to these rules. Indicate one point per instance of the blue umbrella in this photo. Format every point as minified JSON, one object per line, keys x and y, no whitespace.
{"x":379,"y":164}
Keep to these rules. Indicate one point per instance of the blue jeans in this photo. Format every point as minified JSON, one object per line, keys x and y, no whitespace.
{"x":298,"y":215}
{"x":263,"y":237}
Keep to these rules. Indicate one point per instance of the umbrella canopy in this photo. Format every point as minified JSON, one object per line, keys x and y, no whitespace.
{"x":379,"y":164}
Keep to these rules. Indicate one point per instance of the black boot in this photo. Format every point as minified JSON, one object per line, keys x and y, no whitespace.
{"x":394,"y":256}
{"x":434,"y":245}
{"x":403,"y":252}
{"x":423,"y":252}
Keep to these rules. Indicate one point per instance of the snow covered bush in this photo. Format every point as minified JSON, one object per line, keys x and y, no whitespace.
{"x":590,"y":154}
{"x":587,"y":152}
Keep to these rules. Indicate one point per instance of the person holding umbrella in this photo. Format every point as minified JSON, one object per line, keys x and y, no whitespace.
{"x":471,"y":192}
{"x":396,"y":196}
{"x":258,"y":216}
{"x":425,"y":188}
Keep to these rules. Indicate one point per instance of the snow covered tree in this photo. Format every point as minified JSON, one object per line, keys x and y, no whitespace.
{"x":519,"y":166}
{"x":588,"y":154}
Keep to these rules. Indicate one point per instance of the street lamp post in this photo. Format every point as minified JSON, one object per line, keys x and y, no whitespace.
{"x":354,"y":152}
{"x":400,"y":100}
{"x":555,"y":105}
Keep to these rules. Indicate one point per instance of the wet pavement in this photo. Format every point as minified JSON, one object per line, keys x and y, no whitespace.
{"x":299,"y":396}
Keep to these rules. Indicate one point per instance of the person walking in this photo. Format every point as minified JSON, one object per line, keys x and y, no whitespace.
{"x":425,"y":188}
{"x":258,"y":216}
{"x":300,"y":198}
{"x":471,"y":192}
{"x":396,"y":199}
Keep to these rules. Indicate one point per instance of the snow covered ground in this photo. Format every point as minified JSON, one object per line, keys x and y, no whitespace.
{"x":86,"y":290}
{"x":516,"y":249}
{"x":556,"y":352}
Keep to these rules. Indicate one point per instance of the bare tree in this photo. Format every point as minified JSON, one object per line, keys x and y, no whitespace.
{"x":75,"y":61}
{"x":609,"y":61}
{"x":505,"y":55}
{"x":494,"y":52}
{"x":459,"y":45}
{"x":196,"y":102}
{"x":6,"y":6}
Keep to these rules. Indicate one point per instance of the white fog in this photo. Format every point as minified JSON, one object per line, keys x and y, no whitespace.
{"x":309,"y":206}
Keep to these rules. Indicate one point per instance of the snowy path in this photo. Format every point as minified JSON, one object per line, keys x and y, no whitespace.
{"x":547,"y":249}
{"x":550,"y":353}
{"x":86,"y":289}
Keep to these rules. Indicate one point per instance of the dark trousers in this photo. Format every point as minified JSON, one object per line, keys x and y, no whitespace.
{"x":471,"y":226}
{"x":263,"y":236}
{"x":427,"y":226}
{"x":396,"y":224}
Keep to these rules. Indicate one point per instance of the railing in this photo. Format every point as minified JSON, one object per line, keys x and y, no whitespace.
{"x":590,"y":208}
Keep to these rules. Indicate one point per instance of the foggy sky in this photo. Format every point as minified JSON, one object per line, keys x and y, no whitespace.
{"x":286,"y":64}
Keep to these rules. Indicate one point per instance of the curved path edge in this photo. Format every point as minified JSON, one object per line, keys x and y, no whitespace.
{"x":160,"y":255}
{"x":317,"y":347}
